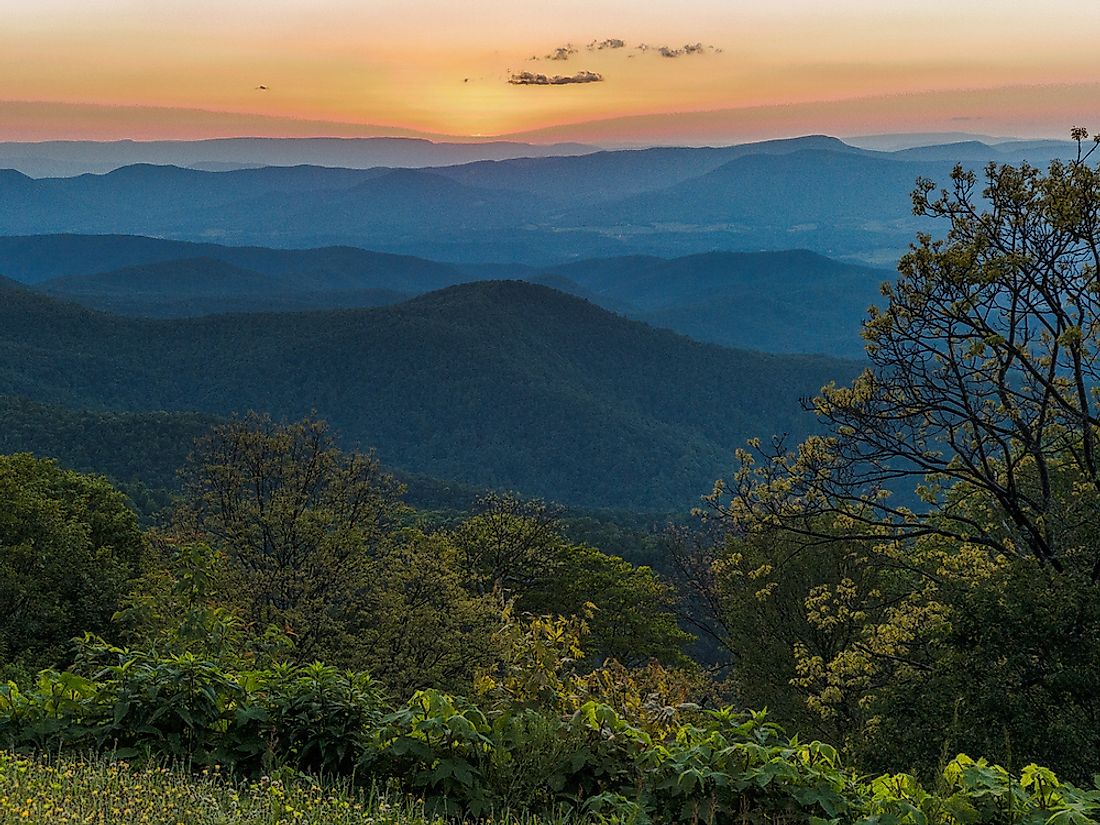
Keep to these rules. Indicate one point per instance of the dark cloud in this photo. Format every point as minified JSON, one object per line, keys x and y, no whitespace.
{"x":690,"y":48}
{"x":610,"y":43}
{"x":562,"y":52}
{"x":533,"y":79}
{"x":567,"y":51}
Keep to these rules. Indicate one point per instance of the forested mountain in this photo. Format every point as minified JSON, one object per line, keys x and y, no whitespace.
{"x":608,"y":176}
{"x":789,"y":301}
{"x":208,"y":286}
{"x":500,"y":384}
{"x":815,"y":192}
{"x":825,"y":200}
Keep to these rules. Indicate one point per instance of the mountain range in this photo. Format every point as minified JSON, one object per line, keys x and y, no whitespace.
{"x":500,"y":384}
{"x":793,"y":301}
{"x":814,"y":192}
{"x":64,"y":158}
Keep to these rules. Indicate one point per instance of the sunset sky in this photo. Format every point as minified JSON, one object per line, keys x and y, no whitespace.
{"x":111,"y":69}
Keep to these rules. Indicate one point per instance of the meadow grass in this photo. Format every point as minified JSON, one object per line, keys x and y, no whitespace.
{"x":95,"y":790}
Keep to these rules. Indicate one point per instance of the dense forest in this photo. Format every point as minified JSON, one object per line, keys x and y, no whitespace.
{"x":496,"y":384}
{"x":884,"y":612}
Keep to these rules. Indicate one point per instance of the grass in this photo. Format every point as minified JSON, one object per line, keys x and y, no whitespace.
{"x":110,"y":793}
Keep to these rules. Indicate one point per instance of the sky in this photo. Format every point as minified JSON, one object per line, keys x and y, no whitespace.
{"x":683,"y":71}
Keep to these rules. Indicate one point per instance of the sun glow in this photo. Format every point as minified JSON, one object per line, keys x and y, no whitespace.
{"x":443,"y":68}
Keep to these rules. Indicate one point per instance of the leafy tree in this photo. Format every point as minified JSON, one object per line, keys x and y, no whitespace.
{"x":984,"y":370}
{"x":510,"y":544}
{"x":977,"y":628}
{"x":299,"y":523}
{"x":178,"y":607}
{"x":517,"y":548}
{"x":632,"y":611}
{"x":417,"y":625}
{"x":69,"y":545}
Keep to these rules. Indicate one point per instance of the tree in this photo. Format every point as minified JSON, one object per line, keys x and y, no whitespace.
{"x":419,"y":626}
{"x":510,"y":543}
{"x":69,"y":545}
{"x":964,"y":463}
{"x":298,"y":521}
{"x":516,"y":548}
{"x":982,"y":388}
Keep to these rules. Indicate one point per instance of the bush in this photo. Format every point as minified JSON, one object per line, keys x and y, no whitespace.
{"x":721,"y":766}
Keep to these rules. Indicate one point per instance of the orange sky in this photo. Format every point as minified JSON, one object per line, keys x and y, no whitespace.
{"x":442,"y":67}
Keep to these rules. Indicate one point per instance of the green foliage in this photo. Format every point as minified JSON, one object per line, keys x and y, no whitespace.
{"x":69,"y":546}
{"x":1013,"y":671}
{"x":462,"y":759}
{"x":177,"y":607}
{"x":298,"y":522}
{"x":518,"y":549}
{"x":185,"y":707}
{"x":417,"y":623}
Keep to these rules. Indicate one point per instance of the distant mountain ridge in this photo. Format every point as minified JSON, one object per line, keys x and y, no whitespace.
{"x":35,"y":258}
{"x":208,"y":286}
{"x":64,"y":158}
{"x":813,"y":192}
{"x":793,"y":301}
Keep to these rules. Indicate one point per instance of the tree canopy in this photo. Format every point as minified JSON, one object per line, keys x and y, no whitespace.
{"x":69,"y":546}
{"x":982,"y":392}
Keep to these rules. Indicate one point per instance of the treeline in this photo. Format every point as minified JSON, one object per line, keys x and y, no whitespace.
{"x":492,"y":666}
{"x":494,"y":663}
{"x":284,"y":530}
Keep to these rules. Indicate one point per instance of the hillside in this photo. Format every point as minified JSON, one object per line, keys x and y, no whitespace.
{"x":206,"y":286}
{"x":785,"y":301}
{"x":36,"y":258}
{"x":140,"y":451}
{"x":791,"y":301}
{"x":499,"y":384}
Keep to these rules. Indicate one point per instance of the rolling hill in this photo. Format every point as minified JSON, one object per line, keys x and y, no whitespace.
{"x":37,"y":258}
{"x":787,"y":301}
{"x":497,"y":384}
{"x":206,"y":286}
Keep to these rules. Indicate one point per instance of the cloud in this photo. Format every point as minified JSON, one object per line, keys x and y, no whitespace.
{"x":568,"y":51}
{"x":690,"y":48}
{"x":562,"y":52}
{"x":533,"y":79}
